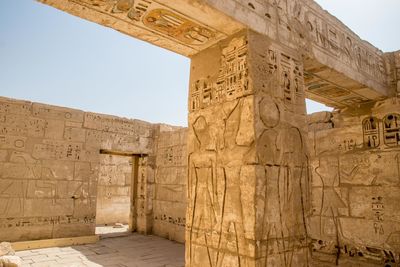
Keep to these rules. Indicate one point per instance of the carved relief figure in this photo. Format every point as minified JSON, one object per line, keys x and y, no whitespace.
{"x":202,"y":188}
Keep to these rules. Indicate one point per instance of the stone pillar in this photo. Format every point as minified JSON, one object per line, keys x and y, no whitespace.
{"x":247,"y":156}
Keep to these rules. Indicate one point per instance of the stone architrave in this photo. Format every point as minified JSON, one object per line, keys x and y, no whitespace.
{"x":247,"y":158}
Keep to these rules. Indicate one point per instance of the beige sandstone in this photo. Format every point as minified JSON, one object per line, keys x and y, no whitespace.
{"x":10,"y":261}
{"x":253,"y":181}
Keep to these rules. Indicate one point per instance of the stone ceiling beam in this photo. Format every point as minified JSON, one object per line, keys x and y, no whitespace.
{"x":341,"y":70}
{"x":185,"y":27}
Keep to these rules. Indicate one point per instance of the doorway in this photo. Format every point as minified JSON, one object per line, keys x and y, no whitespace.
{"x":117,"y":183}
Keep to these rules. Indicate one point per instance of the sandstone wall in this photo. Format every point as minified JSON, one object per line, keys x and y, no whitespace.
{"x":114,"y":189}
{"x":169,"y":204}
{"x":355,"y":186}
{"x":49,"y":168}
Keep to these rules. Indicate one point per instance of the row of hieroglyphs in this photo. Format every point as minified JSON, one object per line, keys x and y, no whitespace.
{"x":44,"y":221}
{"x":304,"y":24}
{"x":285,"y":77}
{"x":371,"y":133}
{"x":390,"y":126}
{"x":158,"y":18}
{"x":340,"y":96}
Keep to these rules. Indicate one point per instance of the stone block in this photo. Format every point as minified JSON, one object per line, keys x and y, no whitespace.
{"x":57,"y":113}
{"x":75,"y":134}
{"x":319,"y":117}
{"x":13,"y":106}
{"x":54,"y":129}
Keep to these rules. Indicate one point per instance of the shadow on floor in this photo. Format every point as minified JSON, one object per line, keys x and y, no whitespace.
{"x":133,"y":250}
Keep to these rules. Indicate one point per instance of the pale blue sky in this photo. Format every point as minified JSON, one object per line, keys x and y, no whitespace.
{"x":51,"y":57}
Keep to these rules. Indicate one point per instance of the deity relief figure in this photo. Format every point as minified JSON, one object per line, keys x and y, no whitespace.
{"x":203,"y":211}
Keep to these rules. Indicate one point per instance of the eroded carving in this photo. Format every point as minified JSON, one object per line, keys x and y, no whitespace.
{"x":232,"y":81}
{"x":178,"y":27}
{"x":371,"y":132}
{"x":391,"y":130}
{"x":157,"y":18}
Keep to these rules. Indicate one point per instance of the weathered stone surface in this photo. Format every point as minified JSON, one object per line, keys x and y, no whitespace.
{"x":10,"y":261}
{"x":50,"y":166}
{"x":6,"y":249}
{"x":114,"y":189}
{"x":319,"y":117}
{"x":355,"y":188}
{"x":258,"y":192}
{"x":246,"y":155}
{"x":341,"y":69}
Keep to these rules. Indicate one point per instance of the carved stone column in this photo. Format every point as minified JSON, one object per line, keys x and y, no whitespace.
{"x":247,"y":156}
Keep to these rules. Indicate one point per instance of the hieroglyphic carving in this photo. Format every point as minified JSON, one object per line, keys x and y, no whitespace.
{"x":179,"y":221}
{"x":328,"y":251}
{"x":178,"y":27}
{"x":157,"y":18}
{"x":43,"y":221}
{"x":15,"y":107}
{"x":117,"y":125}
{"x":371,"y":132}
{"x":172,"y":156}
{"x":391,"y":130}
{"x":57,"y":150}
{"x":232,"y":81}
{"x":59,"y":113}
{"x":378,"y":209}
{"x":292,"y":81}
{"x":20,"y":126}
{"x":307,"y":25}
{"x":246,"y":159}
{"x":114,"y":181}
{"x":12,"y":142}
{"x":367,"y":183}
{"x":336,"y":94}
{"x":47,"y":180}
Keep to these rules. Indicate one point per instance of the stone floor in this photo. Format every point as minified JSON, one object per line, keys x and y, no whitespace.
{"x":129,"y":251}
{"x":112,"y":229}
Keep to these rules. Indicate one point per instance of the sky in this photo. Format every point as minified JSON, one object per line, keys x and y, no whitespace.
{"x":51,"y":57}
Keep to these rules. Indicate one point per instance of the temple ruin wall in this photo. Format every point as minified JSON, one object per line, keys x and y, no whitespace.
{"x":50,"y":167}
{"x":355,"y":185}
{"x":114,"y":189}
{"x":169,"y":203}
{"x":52,"y":175}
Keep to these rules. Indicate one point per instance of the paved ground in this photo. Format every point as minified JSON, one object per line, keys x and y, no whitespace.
{"x":112,"y":229}
{"x":129,"y":251}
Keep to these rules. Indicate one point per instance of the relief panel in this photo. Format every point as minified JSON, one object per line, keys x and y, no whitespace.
{"x":391,"y":130}
{"x":159,"y":19}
